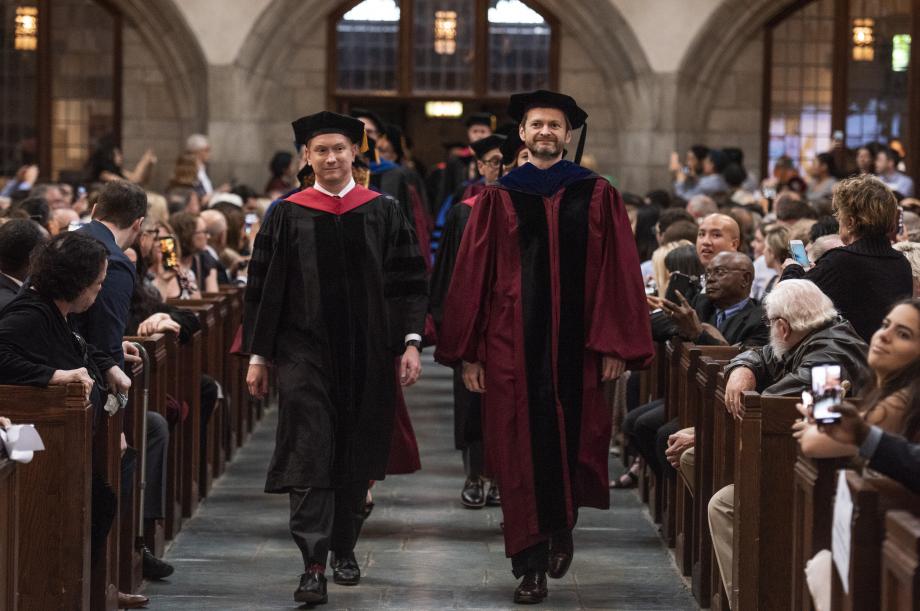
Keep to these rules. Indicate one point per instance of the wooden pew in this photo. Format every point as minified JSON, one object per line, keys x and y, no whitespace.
{"x":188,"y":372}
{"x":655,"y":380}
{"x":901,"y":562}
{"x":234,"y":373}
{"x":689,"y":413}
{"x":9,"y":535}
{"x":174,"y":464}
{"x":209,"y":315}
{"x":704,"y":402}
{"x":54,"y":500}
{"x":668,"y":487}
{"x":723,"y":474}
{"x":812,"y":506}
{"x":872,"y":498}
{"x":765,"y":454}
{"x":107,"y":459}
{"x":129,"y":555}
{"x":155,"y":530}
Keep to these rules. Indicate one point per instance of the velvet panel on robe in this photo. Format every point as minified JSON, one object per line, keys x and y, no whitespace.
{"x":543,"y":287}
{"x":335,"y":285}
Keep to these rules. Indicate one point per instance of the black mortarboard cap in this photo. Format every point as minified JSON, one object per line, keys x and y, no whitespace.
{"x":522,"y":102}
{"x":489,"y":143}
{"x":358,"y":113}
{"x":394,"y":134}
{"x":481,"y":118}
{"x":326,"y":122}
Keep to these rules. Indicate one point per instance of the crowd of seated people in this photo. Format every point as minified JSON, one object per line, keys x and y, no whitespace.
{"x":82,"y":266}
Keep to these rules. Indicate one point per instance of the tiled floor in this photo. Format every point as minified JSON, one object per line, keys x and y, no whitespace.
{"x":419,"y":550}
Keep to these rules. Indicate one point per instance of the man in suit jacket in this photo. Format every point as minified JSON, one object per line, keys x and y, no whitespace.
{"x":724,"y":315}
{"x":18,"y":238}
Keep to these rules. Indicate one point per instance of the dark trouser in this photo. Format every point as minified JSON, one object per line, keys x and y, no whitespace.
{"x":327,"y":519}
{"x":534,"y":558}
{"x":641,"y":428}
{"x":157,"y":450}
{"x":472,"y":460}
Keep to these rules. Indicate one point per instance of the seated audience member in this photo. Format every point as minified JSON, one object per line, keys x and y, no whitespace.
{"x":645,"y":233}
{"x":38,"y":210}
{"x":216,"y":225}
{"x":763,"y":273}
{"x":819,"y":247}
{"x":39,"y":348}
{"x":789,"y":208}
{"x":709,"y":182}
{"x":775,"y":253}
{"x":18,"y":238}
{"x":18,"y":187}
{"x":911,"y":251}
{"x":670,"y":216}
{"x":688,"y":175}
{"x":785,"y":177}
{"x":192,"y":236}
{"x":52,"y":193}
{"x":805,"y":330}
{"x":826,"y":225}
{"x":183,"y":199}
{"x":910,"y":232}
{"x":865,"y":158}
{"x":62,"y":219}
{"x":717,"y":233}
{"x":105,"y":163}
{"x":685,"y":262}
{"x":284,"y":174}
{"x":867,"y":276}
{"x":681,"y":230}
{"x":700,"y":206}
{"x":822,"y":178}
{"x":886,"y":167}
{"x":724,"y":315}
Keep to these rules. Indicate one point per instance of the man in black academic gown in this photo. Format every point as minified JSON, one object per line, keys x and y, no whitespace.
{"x":461,"y":167}
{"x":337,"y":290}
{"x":546,"y":302}
{"x":467,"y":416}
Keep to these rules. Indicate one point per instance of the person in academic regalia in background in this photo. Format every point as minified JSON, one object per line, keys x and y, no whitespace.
{"x":461,"y":164}
{"x":337,"y":290}
{"x":546,"y":302}
{"x":468,"y":434}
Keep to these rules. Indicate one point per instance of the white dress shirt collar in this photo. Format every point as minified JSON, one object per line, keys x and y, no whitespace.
{"x":342,"y":193}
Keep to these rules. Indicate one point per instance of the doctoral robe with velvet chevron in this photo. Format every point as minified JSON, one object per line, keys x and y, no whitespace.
{"x":545,"y":284}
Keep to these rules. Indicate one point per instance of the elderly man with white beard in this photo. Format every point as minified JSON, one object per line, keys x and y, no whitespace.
{"x":805,"y":330}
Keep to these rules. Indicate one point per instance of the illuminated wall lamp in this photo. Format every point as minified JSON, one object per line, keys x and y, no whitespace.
{"x":26,"y":32}
{"x":863,"y":39}
{"x":443,"y":109}
{"x":445,"y":32}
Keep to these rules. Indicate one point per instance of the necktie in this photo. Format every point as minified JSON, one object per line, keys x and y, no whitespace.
{"x":720,"y":319}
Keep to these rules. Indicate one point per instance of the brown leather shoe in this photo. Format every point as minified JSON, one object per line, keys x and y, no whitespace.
{"x":132,"y":601}
{"x":561,"y":550}
{"x":532,"y":589}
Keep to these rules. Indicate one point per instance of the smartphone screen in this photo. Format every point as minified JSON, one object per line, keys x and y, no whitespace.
{"x":170,"y":256}
{"x":827,"y":390}
{"x":798,"y":253}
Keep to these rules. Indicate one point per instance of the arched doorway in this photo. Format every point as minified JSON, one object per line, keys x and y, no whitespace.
{"x":425,"y":64}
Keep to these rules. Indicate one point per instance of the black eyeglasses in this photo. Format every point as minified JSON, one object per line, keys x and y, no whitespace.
{"x":493,"y":162}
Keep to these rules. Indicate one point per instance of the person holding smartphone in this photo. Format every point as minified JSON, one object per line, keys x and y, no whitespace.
{"x":891,"y":399}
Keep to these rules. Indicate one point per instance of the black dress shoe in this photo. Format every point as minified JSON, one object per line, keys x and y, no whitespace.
{"x":494,"y":498}
{"x":561,"y":550}
{"x":474,"y":494}
{"x":312,"y":589}
{"x":153,"y":567}
{"x":532,"y":589}
{"x":345,"y":570}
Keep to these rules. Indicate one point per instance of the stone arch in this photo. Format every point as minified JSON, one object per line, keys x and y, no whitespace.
{"x":168,"y":38}
{"x":714,"y":50}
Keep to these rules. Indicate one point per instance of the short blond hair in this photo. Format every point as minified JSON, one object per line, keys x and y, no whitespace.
{"x":659,"y":269}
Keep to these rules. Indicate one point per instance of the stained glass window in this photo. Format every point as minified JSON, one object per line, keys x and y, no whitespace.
{"x":519,"y":48}
{"x":367,"y":47}
{"x":18,"y":84}
{"x":443,"y":46}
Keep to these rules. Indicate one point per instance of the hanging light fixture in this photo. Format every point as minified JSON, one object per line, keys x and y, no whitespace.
{"x":26,"y":32}
{"x":445,"y":32}
{"x":863,"y":39}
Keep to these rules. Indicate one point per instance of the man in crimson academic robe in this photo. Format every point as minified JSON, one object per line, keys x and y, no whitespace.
{"x":337,"y":290}
{"x":546,"y":303}
{"x":468,"y":435}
